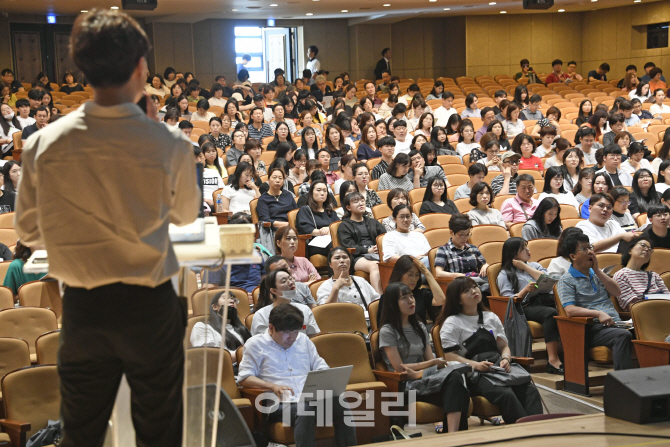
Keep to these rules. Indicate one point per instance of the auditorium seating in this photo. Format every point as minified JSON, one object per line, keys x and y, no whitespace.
{"x":650,"y":319}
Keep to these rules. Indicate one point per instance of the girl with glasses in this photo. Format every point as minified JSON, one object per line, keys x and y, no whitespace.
{"x":435,"y":199}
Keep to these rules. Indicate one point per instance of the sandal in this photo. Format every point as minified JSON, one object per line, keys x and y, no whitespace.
{"x":439,"y":428}
{"x":494,"y":421}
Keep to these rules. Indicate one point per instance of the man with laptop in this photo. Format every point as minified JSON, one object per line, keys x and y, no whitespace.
{"x":280,"y":360}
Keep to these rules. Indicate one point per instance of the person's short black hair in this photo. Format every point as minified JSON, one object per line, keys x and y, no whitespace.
{"x":216,"y":79}
{"x":631,"y":67}
{"x":185,"y":124}
{"x":286,"y":317}
{"x":524,"y":62}
{"x":571,"y":243}
{"x":612,"y":149}
{"x":556,"y":62}
{"x":107,"y":45}
{"x":535,"y":98}
{"x":43,"y":109}
{"x":243,"y":75}
{"x":313,"y":49}
{"x":477,"y":168}
{"x":500,"y":94}
{"x":459,"y":222}
{"x":657,"y":208}
{"x":626,"y":105}
{"x":384,"y":51}
{"x":272,"y":260}
{"x":246,"y":57}
{"x":619,"y":191}
{"x":635,"y":101}
{"x":597,"y":197}
{"x":649,"y":64}
{"x":605,"y":66}
{"x":216,"y":88}
{"x":479,"y":187}
{"x":584,"y":132}
{"x":486,"y":110}
{"x":386,"y":141}
{"x":616,"y":118}
{"x":35,"y":95}
{"x":547,"y":130}
{"x":202,"y":104}
{"x":447,"y":94}
{"x":654,"y":71}
{"x":23,"y":102}
{"x":5,"y":71}
{"x":524,"y":178}
{"x":572,"y":63}
{"x":399,"y":123}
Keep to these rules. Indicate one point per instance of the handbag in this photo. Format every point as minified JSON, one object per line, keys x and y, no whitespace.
{"x":517,"y":331}
{"x":433,"y":378}
{"x":267,"y":237}
{"x":46,"y":436}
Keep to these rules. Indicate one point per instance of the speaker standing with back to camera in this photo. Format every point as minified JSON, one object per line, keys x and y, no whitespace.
{"x":640,"y":395}
{"x":537,"y":4}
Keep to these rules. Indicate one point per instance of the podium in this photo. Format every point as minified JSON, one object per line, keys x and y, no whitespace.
{"x":207,"y":254}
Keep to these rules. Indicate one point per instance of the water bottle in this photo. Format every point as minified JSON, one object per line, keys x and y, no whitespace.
{"x":219,"y":204}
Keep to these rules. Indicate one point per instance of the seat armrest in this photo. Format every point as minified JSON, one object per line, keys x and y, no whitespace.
{"x":505,"y":299}
{"x":17,"y":426}
{"x":222,"y":218}
{"x":267,"y":224}
{"x":526,"y":361}
{"x":654,"y":344}
{"x":397,"y":376}
{"x":394,"y":381}
{"x":351,"y":250}
{"x":252,"y":393}
{"x":580,"y":320}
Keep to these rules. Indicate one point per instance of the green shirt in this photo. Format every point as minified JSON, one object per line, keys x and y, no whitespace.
{"x":15,"y":277}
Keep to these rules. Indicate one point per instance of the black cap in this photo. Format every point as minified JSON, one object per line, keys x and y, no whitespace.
{"x":258,"y":97}
{"x":279,"y":71}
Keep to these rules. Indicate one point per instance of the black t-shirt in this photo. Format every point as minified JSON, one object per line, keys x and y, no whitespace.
{"x":594,"y":74}
{"x":615,"y":179}
{"x":16,"y":85}
{"x":657,"y":241}
{"x":366,"y":240}
{"x":28,"y":131}
{"x":7,"y":202}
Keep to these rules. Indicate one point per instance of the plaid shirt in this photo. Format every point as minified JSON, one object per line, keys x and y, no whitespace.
{"x":454,"y":260}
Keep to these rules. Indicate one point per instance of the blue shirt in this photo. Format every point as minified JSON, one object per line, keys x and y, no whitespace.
{"x":576,"y":289}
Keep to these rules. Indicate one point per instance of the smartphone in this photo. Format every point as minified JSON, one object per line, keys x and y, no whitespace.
{"x":142,"y":103}
{"x":497,"y":369}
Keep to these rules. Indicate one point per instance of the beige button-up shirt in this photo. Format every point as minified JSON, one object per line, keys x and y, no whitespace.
{"x":99,"y":188}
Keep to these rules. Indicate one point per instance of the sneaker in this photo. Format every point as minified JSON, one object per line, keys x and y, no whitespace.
{"x":275,"y":444}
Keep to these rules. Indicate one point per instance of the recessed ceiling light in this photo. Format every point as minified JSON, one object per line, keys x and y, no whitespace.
{"x":274,"y":4}
{"x":345,"y":10}
{"x":432,"y":1}
{"x":593,"y":1}
{"x":115,"y":7}
{"x":492,"y":3}
{"x":561,"y":10}
{"x":637,"y":1}
{"x":387,"y":4}
{"x":234,"y":10}
{"x":84,"y":10}
{"x":447,"y":9}
{"x":503,"y":12}
{"x":309,"y":14}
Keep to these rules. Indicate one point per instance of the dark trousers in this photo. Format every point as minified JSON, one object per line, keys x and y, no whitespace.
{"x":618,"y":340}
{"x":453,"y":396}
{"x":545,"y":316}
{"x":117,"y":329}
{"x":514,"y":402}
{"x":304,"y":426}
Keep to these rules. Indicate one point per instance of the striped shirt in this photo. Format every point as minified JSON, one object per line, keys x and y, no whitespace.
{"x":575,"y":289}
{"x":634,"y":285}
{"x":455,"y":260}
{"x":497,"y":184}
{"x":379,"y":170}
{"x":259,"y":134}
{"x":387,"y":181}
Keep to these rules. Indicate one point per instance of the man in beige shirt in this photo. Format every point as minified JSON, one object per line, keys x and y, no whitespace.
{"x":99,"y":189}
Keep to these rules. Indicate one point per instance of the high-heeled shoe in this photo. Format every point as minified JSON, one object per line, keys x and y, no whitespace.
{"x":551,"y":369}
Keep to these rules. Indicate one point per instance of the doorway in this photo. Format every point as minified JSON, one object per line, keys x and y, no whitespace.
{"x":269,"y":48}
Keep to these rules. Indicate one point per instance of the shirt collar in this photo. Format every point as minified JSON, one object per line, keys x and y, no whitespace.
{"x":125,"y":110}
{"x":521,"y":202}
{"x":577,"y":274}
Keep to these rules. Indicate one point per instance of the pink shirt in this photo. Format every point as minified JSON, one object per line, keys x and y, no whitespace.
{"x":301,"y":268}
{"x":513,"y":209}
{"x":533,"y":163}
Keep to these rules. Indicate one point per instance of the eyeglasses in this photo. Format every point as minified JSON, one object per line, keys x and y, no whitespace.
{"x":586,"y":248}
{"x":645,"y":247}
{"x":513,"y":163}
{"x":440,"y":186}
{"x":647,"y":177}
{"x":404,"y":217}
{"x":604,"y":207}
{"x":622,"y":203}
{"x":615,"y":156}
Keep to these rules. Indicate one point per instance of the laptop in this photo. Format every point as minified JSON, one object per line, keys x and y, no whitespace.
{"x":331,"y":379}
{"x":193,"y":232}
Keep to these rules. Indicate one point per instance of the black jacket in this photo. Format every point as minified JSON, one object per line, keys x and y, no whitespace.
{"x":350,"y":237}
{"x":381,"y":66}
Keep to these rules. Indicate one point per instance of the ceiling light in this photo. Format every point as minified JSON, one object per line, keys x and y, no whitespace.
{"x":115,"y":7}
{"x":432,"y":1}
{"x":447,"y":9}
{"x":387,"y":4}
{"x":274,"y":4}
{"x":637,"y":1}
{"x":503,"y":12}
{"x":234,"y":10}
{"x":593,"y":1}
{"x":345,"y":10}
{"x":561,"y":10}
{"x":84,"y":10}
{"x":309,"y":14}
{"x":492,"y":3}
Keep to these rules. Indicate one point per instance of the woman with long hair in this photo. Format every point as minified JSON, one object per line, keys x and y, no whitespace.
{"x":596,"y":122}
{"x":209,"y":333}
{"x":334,"y":142}
{"x":452,"y":127}
{"x":298,"y":173}
{"x":361,"y":175}
{"x":462,"y":318}
{"x":277,"y":288}
{"x":425,"y":125}
{"x":662,"y":155}
{"x":521,"y":97}
{"x":213,"y":173}
{"x":663,"y":183}
{"x":346,"y":170}
{"x":572,"y":163}
{"x":602,"y":184}
{"x":517,"y":278}
{"x":240,"y":191}
{"x":309,"y":142}
{"x":253,"y":147}
{"x":644,"y":193}
{"x":585,"y":112}
{"x":232,"y":109}
{"x":429,"y":155}
{"x":315,"y":218}
{"x":436,"y":92}
{"x":435,"y":198}
{"x":286,"y":244}
{"x":583,"y":188}
{"x":554,"y":188}
{"x":367,"y":148}
{"x":439,"y":139}
{"x":546,"y":221}
{"x":498,"y":129}
{"x":405,"y":347}
{"x":641,"y":92}
{"x":282,"y":135}
{"x":9,"y":125}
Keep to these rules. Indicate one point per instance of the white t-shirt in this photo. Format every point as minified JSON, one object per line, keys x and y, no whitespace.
{"x":627,"y":167}
{"x":464,"y":149}
{"x":590,"y":157}
{"x":204,"y":335}
{"x":656,"y":109}
{"x":208,"y":116}
{"x":596,"y":233}
{"x":212,"y":181}
{"x":458,"y":328}
{"x":558,"y":267}
{"x":220,"y":102}
{"x":442,"y":116}
{"x":25,"y":122}
{"x":624,"y":177}
{"x":262,"y":320}
{"x":348,"y":294}
{"x":565,"y":199}
{"x":661,"y":187}
{"x":402,"y":146}
{"x":239,"y":199}
{"x":396,"y":243}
